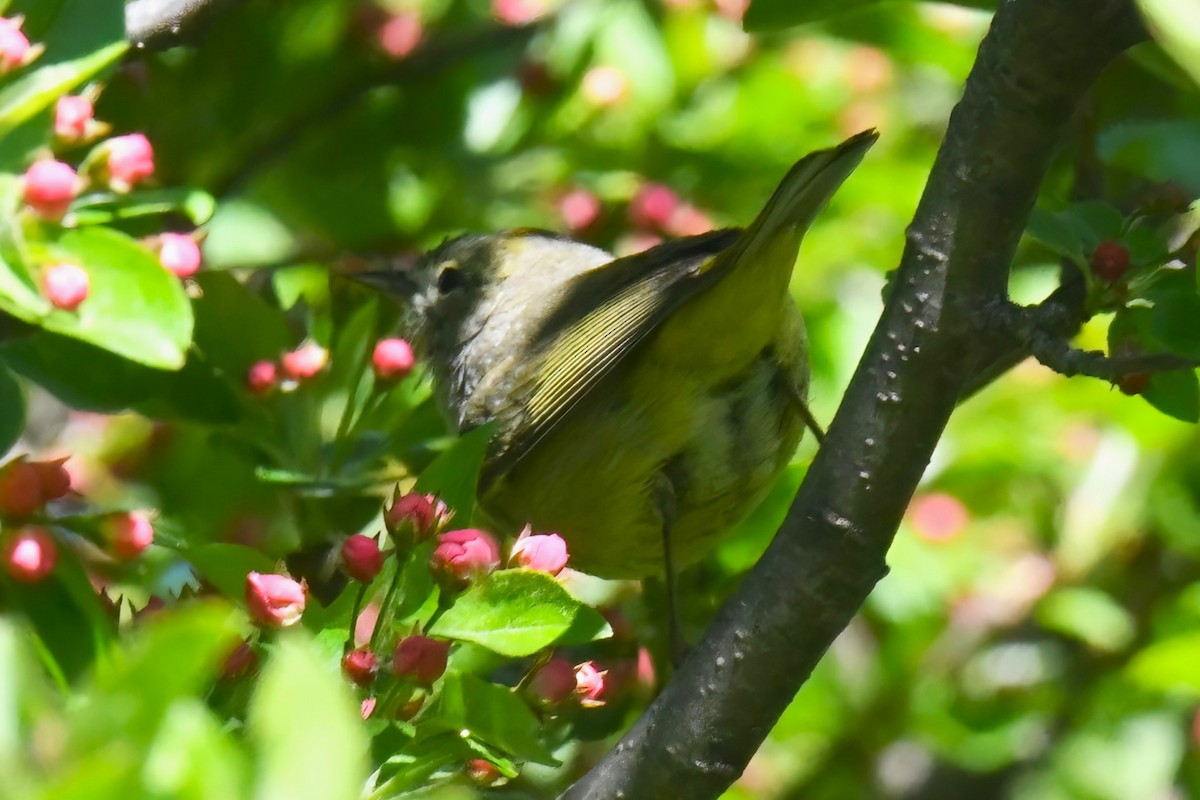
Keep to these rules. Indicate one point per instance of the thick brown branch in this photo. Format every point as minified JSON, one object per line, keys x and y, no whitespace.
{"x":1036,"y":62}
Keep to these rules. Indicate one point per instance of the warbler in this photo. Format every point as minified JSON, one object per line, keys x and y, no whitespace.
{"x":643,"y":405}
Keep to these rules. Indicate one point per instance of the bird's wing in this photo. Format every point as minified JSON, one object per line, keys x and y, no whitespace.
{"x":580,"y":344}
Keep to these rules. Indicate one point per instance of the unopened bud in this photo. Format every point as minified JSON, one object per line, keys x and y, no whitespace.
{"x":262,"y":377}
{"x":544,"y":552}
{"x":274,"y":601}
{"x":179,"y":254}
{"x":414,"y":517}
{"x":553,"y":683}
{"x":73,"y":118}
{"x":15,"y":49}
{"x":482,"y":772}
{"x":30,"y":554}
{"x":361,"y":557}
{"x":463,"y":555}
{"x":49,"y":186}
{"x":128,"y":534}
{"x":305,"y":361}
{"x":359,"y":666}
{"x":53,"y":477}
{"x":392,"y":359}
{"x":130,"y":160}
{"x":20,"y":489}
{"x":66,"y":285}
{"x":420,"y":658}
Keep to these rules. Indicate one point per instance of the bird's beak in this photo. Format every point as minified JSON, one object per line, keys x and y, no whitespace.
{"x":395,"y":282}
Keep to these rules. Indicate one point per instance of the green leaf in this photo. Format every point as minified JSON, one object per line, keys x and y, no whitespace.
{"x":1176,"y":26}
{"x":1169,"y":665}
{"x":305,"y":724}
{"x":193,"y":757}
{"x":454,"y":474}
{"x":1174,"y":319}
{"x":175,"y":655}
{"x":135,"y":309}
{"x":1176,"y":394}
{"x":494,"y":714}
{"x":1089,"y":615}
{"x":102,"y":208}
{"x":12,"y":408}
{"x":514,"y":612}
{"x":225,"y":565}
{"x":235,"y":327}
{"x":39,"y":89}
{"x":88,"y":378}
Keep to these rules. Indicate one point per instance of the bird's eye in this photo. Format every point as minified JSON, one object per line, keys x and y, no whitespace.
{"x":449,"y":279}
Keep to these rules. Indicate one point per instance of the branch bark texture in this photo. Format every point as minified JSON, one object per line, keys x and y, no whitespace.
{"x":1036,"y":62}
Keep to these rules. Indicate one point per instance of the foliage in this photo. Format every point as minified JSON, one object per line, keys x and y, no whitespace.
{"x":1037,"y":634}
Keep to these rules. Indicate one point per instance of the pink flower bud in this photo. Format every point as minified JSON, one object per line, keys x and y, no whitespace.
{"x":20,"y":489}
{"x":553,"y":683}
{"x":589,"y":684}
{"x":517,"y":12}
{"x":15,"y":50}
{"x":543,"y":552}
{"x":400,"y":34}
{"x":53,"y":477}
{"x":49,"y":188}
{"x":274,"y":601}
{"x":305,"y":361}
{"x":367,"y":707}
{"x":420,"y":658}
{"x":579,"y":209}
{"x":30,"y":554}
{"x":66,"y":285}
{"x":130,"y":161}
{"x":179,"y":254}
{"x":72,"y":115}
{"x":605,"y":86}
{"x":393,"y":359}
{"x":261,"y":377}
{"x":361,"y":557}
{"x":653,"y":206}
{"x":688,"y":221}
{"x":415,"y":517}
{"x":128,"y":534}
{"x":359,"y":666}
{"x":465,"y":554}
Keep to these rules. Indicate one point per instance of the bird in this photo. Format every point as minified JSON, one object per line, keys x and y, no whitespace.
{"x":641,"y":405}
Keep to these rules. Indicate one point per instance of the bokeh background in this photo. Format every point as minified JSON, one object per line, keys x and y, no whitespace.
{"x":1038,"y":635}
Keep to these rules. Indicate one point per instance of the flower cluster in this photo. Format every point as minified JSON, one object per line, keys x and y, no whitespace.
{"x":29,"y":545}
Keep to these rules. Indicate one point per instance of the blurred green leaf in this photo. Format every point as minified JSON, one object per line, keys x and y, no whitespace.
{"x":767,"y":15}
{"x":1089,"y":615}
{"x":226,"y":565}
{"x":306,"y":727}
{"x":514,"y":612}
{"x":193,"y":757}
{"x":1176,"y":25}
{"x":494,"y":714}
{"x":104,"y":208}
{"x":1169,"y":665}
{"x":1176,"y":394}
{"x":175,"y":655}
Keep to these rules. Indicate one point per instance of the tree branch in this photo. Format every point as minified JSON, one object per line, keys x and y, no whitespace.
{"x":158,"y":24}
{"x":696,"y":738}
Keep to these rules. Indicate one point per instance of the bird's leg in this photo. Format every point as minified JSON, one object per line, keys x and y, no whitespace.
{"x":665,"y":495}
{"x":797,"y":398}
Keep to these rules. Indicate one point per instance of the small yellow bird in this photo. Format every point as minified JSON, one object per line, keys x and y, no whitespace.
{"x":644,"y":404}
